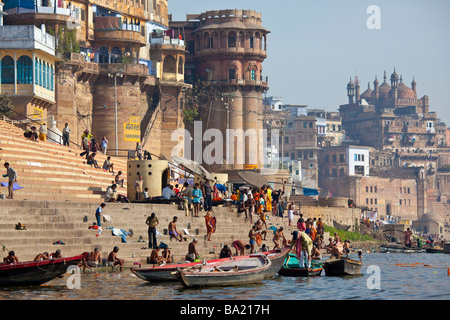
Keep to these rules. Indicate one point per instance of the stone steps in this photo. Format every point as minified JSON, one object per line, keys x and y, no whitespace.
{"x":50,"y":221}
{"x":62,"y":175}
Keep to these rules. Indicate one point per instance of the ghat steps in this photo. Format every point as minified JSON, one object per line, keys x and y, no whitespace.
{"x":51,"y":171}
{"x":50,"y":221}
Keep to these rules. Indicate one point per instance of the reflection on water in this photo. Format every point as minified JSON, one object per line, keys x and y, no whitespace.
{"x":403,"y":276}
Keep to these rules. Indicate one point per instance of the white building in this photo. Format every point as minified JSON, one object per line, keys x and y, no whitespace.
{"x":358,"y":160}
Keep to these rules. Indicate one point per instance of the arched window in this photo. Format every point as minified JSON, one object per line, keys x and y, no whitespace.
{"x":7,"y":70}
{"x":25,"y":70}
{"x":40,"y":72}
{"x":44,"y":75}
{"x":36,"y":71}
{"x":52,"y":79}
{"x":103,"y":55}
{"x":180,"y":65}
{"x":232,"y":39}
{"x":116,"y":54}
{"x":169,"y":64}
{"x":232,"y":73}
{"x":206,"y":41}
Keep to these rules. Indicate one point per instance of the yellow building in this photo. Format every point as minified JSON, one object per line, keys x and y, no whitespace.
{"x":27,"y":69}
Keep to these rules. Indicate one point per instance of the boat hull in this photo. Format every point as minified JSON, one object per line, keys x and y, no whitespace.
{"x":395,"y":249}
{"x":300,"y":272}
{"x":342,"y":267}
{"x":167,"y":273}
{"x":201,"y":279}
{"x":36,"y":273}
{"x":434,"y":250}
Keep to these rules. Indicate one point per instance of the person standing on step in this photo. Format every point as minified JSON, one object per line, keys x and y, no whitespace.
{"x":208,"y":195}
{"x":104,"y":144}
{"x":196,"y":196}
{"x":43,"y":132}
{"x":138,"y":151}
{"x":12,"y":178}
{"x":152,"y":222}
{"x":98,"y":217}
{"x":139,"y":188}
{"x":66,"y":134}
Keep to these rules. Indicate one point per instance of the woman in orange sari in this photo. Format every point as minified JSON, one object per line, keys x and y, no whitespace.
{"x":269,"y":200}
{"x":257,"y":196}
{"x":210,"y":227}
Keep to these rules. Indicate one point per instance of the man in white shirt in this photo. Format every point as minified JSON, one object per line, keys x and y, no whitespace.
{"x":66,"y":133}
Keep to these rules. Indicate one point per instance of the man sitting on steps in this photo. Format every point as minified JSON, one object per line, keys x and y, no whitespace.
{"x":173,"y":232}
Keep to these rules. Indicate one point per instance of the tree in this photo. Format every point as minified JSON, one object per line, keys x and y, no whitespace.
{"x":6,"y":106}
{"x":198,"y":100}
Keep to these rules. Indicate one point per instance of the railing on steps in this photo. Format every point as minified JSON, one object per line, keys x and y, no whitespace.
{"x":24,"y":120}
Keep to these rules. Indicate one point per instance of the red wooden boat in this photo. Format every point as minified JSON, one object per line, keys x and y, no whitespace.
{"x":35,"y":273}
{"x":167,"y":272}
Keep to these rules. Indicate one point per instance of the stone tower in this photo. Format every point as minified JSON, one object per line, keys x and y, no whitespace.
{"x":227,"y":50}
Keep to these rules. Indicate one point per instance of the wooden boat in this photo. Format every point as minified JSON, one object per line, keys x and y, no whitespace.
{"x":253,"y":269}
{"x":291,"y":268}
{"x":35,"y":273}
{"x":342,"y":267}
{"x":277,"y":257}
{"x":400,"y":249}
{"x":166,"y":273}
{"x":447,"y":247}
{"x":434,"y":250}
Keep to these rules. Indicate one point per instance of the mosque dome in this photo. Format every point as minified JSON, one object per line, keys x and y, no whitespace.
{"x":383,"y":90}
{"x":404,"y":92}
{"x":368,"y":93}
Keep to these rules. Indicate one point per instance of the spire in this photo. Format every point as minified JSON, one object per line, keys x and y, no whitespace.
{"x":401,"y":78}
{"x":384,"y":77}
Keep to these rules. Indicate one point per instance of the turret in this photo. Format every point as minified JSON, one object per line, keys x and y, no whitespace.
{"x":350,"y":91}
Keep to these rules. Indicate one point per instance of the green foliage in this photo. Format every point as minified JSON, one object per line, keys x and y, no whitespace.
{"x":347,"y":235}
{"x":67,"y":42}
{"x":198,"y":100}
{"x":5,"y":105}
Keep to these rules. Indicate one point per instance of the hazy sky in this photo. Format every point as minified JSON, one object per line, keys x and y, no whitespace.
{"x":315,"y":46}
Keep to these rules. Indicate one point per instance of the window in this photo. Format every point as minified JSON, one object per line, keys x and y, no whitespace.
{"x":169,"y":64}
{"x":252,"y":43}
{"x":375,"y":189}
{"x":305,"y":124}
{"x":333,"y":157}
{"x":299,"y":154}
{"x":232,"y":40}
{"x":24,"y":70}
{"x":371,"y":189}
{"x":180,"y":65}
{"x":400,"y":201}
{"x":371,"y":201}
{"x":375,"y":201}
{"x":311,"y":165}
{"x":341,"y":158}
{"x":409,"y":191}
{"x":232,"y":74}
{"x":253,"y":75}
{"x":40,"y":73}
{"x":311,"y":154}
{"x":310,"y":124}
{"x":367,"y":200}
{"x":7,"y":70}
{"x":327,"y":158}
{"x":286,"y":140}
{"x":367,"y":189}
{"x":36,"y":72}
{"x":334,"y":173}
{"x":400,"y":189}
{"x":341,"y":172}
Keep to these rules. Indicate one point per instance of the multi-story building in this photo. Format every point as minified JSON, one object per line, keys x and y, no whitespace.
{"x":119,"y":70}
{"x":226,"y":49}
{"x":28,"y":62}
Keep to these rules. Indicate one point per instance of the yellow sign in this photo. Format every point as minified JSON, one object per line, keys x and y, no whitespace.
{"x":132,"y":130}
{"x":37,"y":114}
{"x":250,"y":166}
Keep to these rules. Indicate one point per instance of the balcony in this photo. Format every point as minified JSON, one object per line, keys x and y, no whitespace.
{"x":120,"y":36}
{"x":112,"y":30}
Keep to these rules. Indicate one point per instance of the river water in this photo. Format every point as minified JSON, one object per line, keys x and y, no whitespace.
{"x":417,"y":276}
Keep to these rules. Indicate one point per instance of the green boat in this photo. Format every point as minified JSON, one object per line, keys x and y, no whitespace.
{"x":291,"y":268}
